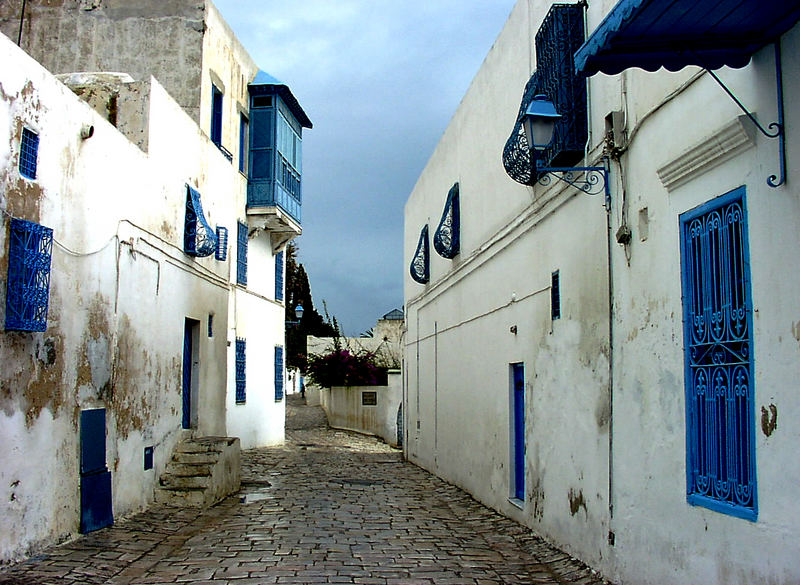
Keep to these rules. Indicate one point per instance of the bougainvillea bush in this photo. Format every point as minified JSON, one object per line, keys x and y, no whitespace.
{"x":341,"y":367}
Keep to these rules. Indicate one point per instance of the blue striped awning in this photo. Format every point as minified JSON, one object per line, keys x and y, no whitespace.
{"x":651,"y":34}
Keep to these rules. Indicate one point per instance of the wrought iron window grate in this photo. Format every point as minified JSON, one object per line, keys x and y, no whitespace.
{"x":241,"y":254}
{"x":555,"y":295}
{"x":241,"y":371}
{"x":28,"y":287}
{"x":278,"y":373}
{"x":199,"y":239}
{"x":279,"y":276}
{"x":721,"y":467}
{"x":221,"y":250}
{"x":420,"y":263}
{"x":447,"y":238}
{"x":28,"y":153}
{"x":560,"y":35}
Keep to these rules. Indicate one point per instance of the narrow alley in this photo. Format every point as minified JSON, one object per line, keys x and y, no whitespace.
{"x":327,"y":507}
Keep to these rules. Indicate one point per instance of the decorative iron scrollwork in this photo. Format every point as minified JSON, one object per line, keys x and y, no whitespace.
{"x":420,"y":263}
{"x":199,"y":239}
{"x":447,"y":238}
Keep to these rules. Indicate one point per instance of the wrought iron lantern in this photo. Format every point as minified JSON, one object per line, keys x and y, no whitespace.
{"x":539,"y":122}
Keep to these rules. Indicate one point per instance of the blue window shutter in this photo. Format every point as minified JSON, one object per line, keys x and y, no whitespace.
{"x":279,"y":276}
{"x":216,"y":115}
{"x":243,"y":128}
{"x":241,"y":371}
{"x":718,"y":357}
{"x":278,"y":373}
{"x":28,"y":287}
{"x":241,"y":254}
{"x":221,"y":252}
{"x":28,"y":153}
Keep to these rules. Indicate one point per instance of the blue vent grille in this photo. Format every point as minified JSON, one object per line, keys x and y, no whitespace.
{"x":278,"y":373}
{"x":198,"y":238}
{"x":241,"y":254}
{"x":28,"y":153}
{"x":420,"y":263}
{"x":447,"y":238}
{"x":720,"y":435}
{"x":241,"y":371}
{"x":221,"y":250}
{"x":28,"y":288}
{"x":279,"y":276}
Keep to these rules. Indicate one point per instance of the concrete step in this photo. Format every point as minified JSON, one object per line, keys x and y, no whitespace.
{"x":184,"y":498}
{"x":188,"y":469}
{"x":169,"y":480}
{"x":193,"y":458}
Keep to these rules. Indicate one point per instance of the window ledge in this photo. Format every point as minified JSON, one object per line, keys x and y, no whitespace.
{"x":517,"y":503}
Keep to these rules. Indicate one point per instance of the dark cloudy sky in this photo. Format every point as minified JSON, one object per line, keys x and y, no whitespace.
{"x":380,"y":80}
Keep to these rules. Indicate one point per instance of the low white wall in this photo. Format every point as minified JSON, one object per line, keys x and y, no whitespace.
{"x":345,"y":409}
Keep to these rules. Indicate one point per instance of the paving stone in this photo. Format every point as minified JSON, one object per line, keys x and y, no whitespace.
{"x":326,"y":507}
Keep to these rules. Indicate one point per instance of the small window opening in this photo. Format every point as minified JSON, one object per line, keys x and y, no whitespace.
{"x":555,"y":296}
{"x":28,"y":153}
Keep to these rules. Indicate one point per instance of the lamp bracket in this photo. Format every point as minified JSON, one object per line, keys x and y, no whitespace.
{"x":590,"y":180}
{"x":779,"y":130}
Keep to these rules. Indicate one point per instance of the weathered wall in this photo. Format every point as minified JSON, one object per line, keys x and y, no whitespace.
{"x":143,"y":38}
{"x":490,"y":307}
{"x":345,"y":409}
{"x":121,"y":288}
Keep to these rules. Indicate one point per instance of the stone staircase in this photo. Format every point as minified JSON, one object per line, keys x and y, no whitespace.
{"x":201,"y":472}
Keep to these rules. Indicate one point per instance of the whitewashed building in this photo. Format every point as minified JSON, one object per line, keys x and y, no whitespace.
{"x":617,"y":377}
{"x":141,"y":252}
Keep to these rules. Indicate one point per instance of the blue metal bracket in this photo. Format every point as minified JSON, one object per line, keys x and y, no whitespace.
{"x":778,"y":127}
{"x":593,"y":181}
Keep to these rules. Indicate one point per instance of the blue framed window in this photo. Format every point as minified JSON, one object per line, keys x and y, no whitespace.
{"x":28,"y":153}
{"x":221,"y":251}
{"x":244,"y":125}
{"x":241,"y":370}
{"x":718,"y":357}
{"x":447,"y":238}
{"x":420,"y":268}
{"x":216,"y":115}
{"x":28,"y":287}
{"x":279,"y":276}
{"x":241,"y":254}
{"x":555,"y":295}
{"x":278,"y":373}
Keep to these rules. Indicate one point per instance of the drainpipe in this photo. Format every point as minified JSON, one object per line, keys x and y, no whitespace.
{"x":21,"y":22}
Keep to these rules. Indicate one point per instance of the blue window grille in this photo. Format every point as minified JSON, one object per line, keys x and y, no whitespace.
{"x":718,"y":350}
{"x":279,"y":276}
{"x":420,"y":263}
{"x":243,"y":129}
{"x":555,"y":295}
{"x":210,"y":325}
{"x":28,"y":153}
{"x":241,"y":371}
{"x":447,"y":238}
{"x":221,"y":250}
{"x":216,"y":115}
{"x":278,"y":373}
{"x":199,"y":239}
{"x":241,"y":254}
{"x":28,"y":287}
{"x":560,"y":35}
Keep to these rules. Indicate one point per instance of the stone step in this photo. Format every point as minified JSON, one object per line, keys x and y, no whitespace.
{"x":188,"y":469}
{"x":183,"y":498}
{"x":169,"y":480}
{"x":194,"y":458}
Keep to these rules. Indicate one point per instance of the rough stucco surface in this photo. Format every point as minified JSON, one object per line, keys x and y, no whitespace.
{"x":143,"y":38}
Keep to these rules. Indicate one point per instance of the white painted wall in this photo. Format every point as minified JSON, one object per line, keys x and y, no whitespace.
{"x":579,"y":461}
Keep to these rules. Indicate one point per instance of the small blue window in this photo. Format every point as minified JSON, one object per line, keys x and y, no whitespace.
{"x":216,"y":115}
{"x":279,"y":276}
{"x":28,"y":287}
{"x":28,"y":153}
{"x":241,"y":371}
{"x":210,"y":325}
{"x":278,"y":373}
{"x":221,"y":252}
{"x":555,"y":295}
{"x":241,"y":255}
{"x":718,"y":357}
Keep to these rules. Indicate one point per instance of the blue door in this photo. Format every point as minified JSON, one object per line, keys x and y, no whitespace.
{"x":96,"y":509}
{"x":518,"y":376}
{"x":187,"y":374}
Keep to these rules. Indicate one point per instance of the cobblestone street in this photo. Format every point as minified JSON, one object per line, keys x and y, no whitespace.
{"x":327,"y":507}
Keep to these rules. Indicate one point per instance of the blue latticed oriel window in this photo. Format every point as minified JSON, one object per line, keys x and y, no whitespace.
{"x":279,"y":276}
{"x":241,"y":371}
{"x":278,"y":373}
{"x":718,"y":346}
{"x":241,"y":254}
{"x":28,"y":153}
{"x":28,"y":287}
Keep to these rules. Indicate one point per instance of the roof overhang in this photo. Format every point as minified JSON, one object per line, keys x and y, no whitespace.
{"x":651,"y":34}
{"x":266,"y":83}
